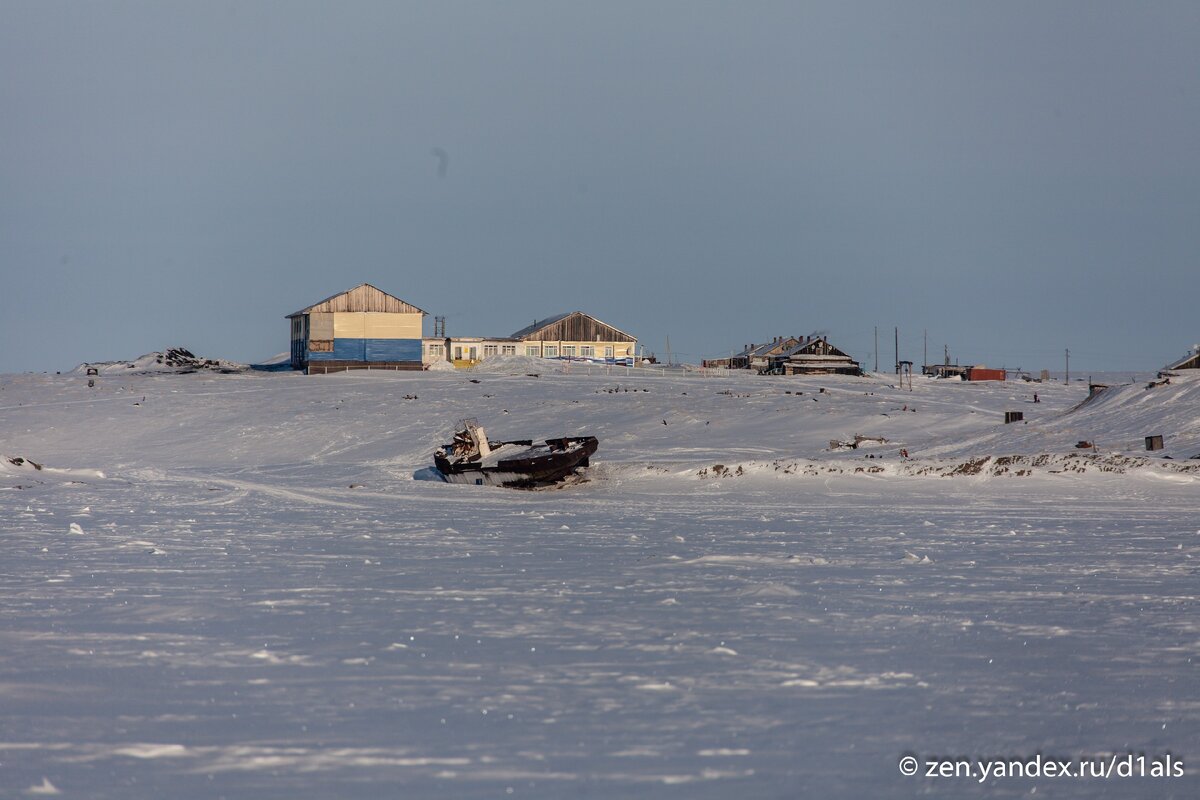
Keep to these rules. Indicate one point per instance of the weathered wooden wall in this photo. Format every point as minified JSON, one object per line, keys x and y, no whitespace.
{"x":363,"y":298}
{"x":578,"y":327}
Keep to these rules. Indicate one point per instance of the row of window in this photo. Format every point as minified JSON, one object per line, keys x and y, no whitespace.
{"x":546,"y":351}
{"x":568,"y":351}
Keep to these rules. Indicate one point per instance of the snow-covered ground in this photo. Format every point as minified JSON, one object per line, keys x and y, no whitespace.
{"x":245,"y":586}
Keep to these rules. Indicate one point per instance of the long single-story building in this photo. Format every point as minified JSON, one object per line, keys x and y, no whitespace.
{"x":360,"y":328}
{"x":466,"y":351}
{"x":575,"y":336}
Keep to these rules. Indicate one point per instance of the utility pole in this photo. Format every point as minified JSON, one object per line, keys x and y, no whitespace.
{"x":670,"y":362}
{"x":897,"y":331}
{"x":1067,"y":376}
{"x":946,"y":348}
{"x":877,"y":348}
{"x":926,"y":361}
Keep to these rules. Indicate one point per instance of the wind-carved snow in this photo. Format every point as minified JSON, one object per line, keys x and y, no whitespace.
{"x":261,"y":601}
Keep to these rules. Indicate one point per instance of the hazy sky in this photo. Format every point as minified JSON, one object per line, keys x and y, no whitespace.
{"x":1017,"y":178}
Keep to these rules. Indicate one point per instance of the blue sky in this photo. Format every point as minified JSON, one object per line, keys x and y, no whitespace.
{"x":1015,"y":178}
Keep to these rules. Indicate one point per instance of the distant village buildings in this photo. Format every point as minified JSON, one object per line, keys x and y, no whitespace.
{"x":791,"y":355}
{"x":367,"y":328}
{"x":1190,"y":361}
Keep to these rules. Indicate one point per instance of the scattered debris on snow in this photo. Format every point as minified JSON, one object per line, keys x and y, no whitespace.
{"x":177,"y":360}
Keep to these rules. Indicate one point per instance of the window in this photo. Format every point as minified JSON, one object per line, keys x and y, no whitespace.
{"x":508,"y":349}
{"x":533,"y":350}
{"x":550,"y":351}
{"x":568,"y":351}
{"x":435,"y":349}
{"x":489,"y":350}
{"x":320,"y":346}
{"x":587,"y":351}
{"x":608,"y":351}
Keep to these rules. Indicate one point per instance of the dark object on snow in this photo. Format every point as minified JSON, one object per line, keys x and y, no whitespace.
{"x":1013,"y":416}
{"x":1154,"y":443}
{"x":18,"y":461}
{"x":1083,"y":445}
{"x":471,"y":458}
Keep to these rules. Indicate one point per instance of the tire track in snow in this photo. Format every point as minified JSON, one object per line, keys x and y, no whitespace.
{"x":249,"y":486}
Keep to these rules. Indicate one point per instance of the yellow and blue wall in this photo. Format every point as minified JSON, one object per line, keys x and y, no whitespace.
{"x":363,"y":336}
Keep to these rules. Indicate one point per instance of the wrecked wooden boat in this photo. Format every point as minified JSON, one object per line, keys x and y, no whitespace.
{"x":471,"y":458}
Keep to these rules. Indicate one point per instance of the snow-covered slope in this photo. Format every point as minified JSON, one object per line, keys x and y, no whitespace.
{"x":237,"y":588}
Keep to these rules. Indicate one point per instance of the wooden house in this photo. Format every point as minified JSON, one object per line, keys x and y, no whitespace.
{"x":816,"y":356}
{"x":1190,"y":361}
{"x":361,"y":328}
{"x":739,"y":360}
{"x":575,"y":336}
{"x":761,"y":356}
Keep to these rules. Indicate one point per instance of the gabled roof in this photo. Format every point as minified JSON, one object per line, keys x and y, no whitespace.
{"x":812,"y":348}
{"x":573,"y":326}
{"x":363,"y":297}
{"x":1190,"y":361}
{"x":770,"y":348}
{"x":542,"y":323}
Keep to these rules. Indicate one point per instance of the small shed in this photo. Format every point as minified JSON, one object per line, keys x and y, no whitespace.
{"x":945,"y":370}
{"x":984,"y":374}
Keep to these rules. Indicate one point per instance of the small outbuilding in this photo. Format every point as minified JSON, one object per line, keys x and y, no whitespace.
{"x":360,"y":328}
{"x":982,"y":373}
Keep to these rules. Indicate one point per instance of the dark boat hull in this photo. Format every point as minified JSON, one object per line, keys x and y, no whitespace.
{"x":539,"y":465}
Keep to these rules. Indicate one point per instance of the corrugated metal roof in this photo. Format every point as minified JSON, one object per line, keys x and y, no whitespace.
{"x":541,"y":323}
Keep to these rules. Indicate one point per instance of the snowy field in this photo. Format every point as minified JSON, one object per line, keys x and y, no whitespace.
{"x":233,"y":586}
